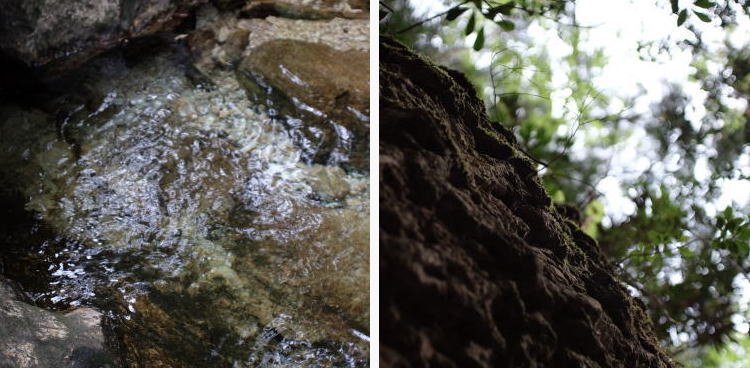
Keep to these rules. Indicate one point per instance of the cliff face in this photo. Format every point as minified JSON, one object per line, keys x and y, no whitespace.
{"x":478,"y":268}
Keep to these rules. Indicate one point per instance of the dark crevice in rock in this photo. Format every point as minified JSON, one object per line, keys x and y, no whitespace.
{"x":262,"y":10}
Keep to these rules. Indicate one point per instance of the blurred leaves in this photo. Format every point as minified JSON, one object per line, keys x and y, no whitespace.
{"x":702,"y":16}
{"x":471,"y":24}
{"x":479,"y":42}
{"x":454,"y":12}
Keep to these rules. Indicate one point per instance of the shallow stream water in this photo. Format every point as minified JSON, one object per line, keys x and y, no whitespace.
{"x":185,"y":214}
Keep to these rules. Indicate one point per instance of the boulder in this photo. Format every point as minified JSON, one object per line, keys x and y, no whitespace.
{"x":478,"y":268}
{"x":223,"y":40}
{"x":326,"y":115}
{"x":319,"y":93}
{"x":36,"y":338}
{"x":62,"y":34}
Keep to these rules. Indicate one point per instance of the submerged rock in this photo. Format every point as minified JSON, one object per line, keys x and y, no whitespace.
{"x":31,"y":337}
{"x":321,"y":95}
{"x":63,"y":34}
{"x":188,"y":215}
{"x":502,"y":279}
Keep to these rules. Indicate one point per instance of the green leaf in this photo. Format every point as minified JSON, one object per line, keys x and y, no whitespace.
{"x":743,"y":248}
{"x":479,"y":42}
{"x":702,"y":16}
{"x":506,"y":25}
{"x":732,"y":224}
{"x":454,"y":12}
{"x":705,"y":4}
{"x":471,"y":24}
{"x":668,"y":252}
{"x":504,"y":9}
{"x":675,"y":9}
{"x":685,"y":252}
{"x":682,"y":17}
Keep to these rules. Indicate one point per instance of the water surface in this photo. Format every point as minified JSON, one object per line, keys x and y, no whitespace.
{"x":185,"y":213}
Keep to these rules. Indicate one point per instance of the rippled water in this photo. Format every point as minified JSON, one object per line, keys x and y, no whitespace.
{"x":187,"y":215}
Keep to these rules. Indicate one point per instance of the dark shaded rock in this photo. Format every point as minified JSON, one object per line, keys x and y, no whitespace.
{"x":229,"y":4}
{"x":321,"y":94}
{"x":62,"y":34}
{"x":477,"y":267}
{"x":33,"y":337}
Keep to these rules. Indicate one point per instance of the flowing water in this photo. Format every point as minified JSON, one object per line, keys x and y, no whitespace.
{"x":185,"y":213}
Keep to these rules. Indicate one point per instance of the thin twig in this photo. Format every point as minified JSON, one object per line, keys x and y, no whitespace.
{"x":387,"y":7}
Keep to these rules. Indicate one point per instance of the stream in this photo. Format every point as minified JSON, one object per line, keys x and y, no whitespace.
{"x":186,"y":215}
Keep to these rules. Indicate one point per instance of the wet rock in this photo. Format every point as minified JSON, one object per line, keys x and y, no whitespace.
{"x":219,"y":43}
{"x":319,"y":93}
{"x":186,"y":214}
{"x":502,"y":279}
{"x":327,"y":184}
{"x":315,"y":9}
{"x":222,"y":39}
{"x":326,"y":117}
{"x":32,"y":337}
{"x":61,"y":35}
{"x":340,"y":34}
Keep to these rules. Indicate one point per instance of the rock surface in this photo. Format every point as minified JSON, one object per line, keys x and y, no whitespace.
{"x":307,"y":9}
{"x":321,"y":95}
{"x":310,"y":9}
{"x":479,"y":268}
{"x":312,"y":75}
{"x":63,"y":34}
{"x":35,"y":338}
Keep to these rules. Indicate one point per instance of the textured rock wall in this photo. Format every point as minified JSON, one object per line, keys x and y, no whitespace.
{"x":66,"y":33}
{"x":477,"y":267}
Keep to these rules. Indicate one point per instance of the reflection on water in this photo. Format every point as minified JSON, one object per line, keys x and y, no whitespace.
{"x":188,"y":216}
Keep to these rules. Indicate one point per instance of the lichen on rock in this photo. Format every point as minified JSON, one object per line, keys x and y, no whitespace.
{"x":480,"y":269}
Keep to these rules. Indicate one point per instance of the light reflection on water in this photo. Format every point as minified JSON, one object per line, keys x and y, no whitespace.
{"x":166,"y":198}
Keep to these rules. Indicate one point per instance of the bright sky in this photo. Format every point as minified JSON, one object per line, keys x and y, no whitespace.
{"x":619,"y":26}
